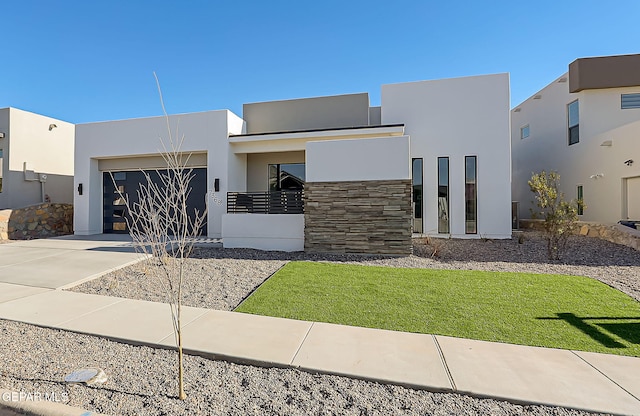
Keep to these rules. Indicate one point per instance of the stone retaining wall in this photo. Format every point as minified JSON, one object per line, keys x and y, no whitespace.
{"x":36,"y":221}
{"x":370,"y":217}
{"x":615,"y":233}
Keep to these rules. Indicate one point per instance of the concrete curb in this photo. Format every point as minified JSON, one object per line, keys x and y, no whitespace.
{"x":29,"y":405}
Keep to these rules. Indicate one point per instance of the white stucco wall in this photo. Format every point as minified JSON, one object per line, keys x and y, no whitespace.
{"x":279,"y":232}
{"x":203,"y":132}
{"x":455,"y":118}
{"x":358,"y":159}
{"x":29,"y":139}
{"x":601,"y":120}
{"x":4,"y":165}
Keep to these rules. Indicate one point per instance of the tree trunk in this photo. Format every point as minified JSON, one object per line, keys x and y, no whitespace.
{"x":181,"y":394}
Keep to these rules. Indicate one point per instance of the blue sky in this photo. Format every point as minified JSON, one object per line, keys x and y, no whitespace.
{"x":85,"y":61}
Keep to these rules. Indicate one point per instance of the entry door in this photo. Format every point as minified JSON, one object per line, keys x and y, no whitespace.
{"x":115,"y":213}
{"x":114,"y":206}
{"x":633,"y":199}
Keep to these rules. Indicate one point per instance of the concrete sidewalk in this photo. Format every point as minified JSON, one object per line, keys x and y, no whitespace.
{"x":588,"y":381}
{"x":61,"y":262}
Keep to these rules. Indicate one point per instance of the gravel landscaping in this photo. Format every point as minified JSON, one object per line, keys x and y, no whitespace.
{"x":142,"y":380}
{"x":221,"y":278}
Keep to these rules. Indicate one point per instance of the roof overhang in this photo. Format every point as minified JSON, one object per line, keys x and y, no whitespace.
{"x":296,"y":140}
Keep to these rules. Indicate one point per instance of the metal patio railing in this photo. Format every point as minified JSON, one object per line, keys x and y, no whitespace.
{"x":274,"y":202}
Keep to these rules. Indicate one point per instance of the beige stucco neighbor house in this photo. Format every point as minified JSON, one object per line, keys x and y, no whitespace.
{"x":330,"y":174}
{"x":586,"y":126}
{"x":36,"y":159}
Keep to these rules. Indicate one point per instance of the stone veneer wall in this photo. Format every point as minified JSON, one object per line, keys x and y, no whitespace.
{"x":36,"y":221}
{"x":615,"y":233}
{"x":371,"y":217}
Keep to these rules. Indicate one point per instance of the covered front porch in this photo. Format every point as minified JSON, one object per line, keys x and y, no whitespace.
{"x":320,"y":190}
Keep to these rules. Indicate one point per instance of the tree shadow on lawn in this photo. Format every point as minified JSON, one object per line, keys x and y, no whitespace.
{"x":629,"y":331}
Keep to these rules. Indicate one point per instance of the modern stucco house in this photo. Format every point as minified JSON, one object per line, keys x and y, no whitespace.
{"x":36,"y":159}
{"x":324,"y":173}
{"x":586,"y":126}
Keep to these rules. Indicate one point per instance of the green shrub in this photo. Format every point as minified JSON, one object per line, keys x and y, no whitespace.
{"x":560,"y":217}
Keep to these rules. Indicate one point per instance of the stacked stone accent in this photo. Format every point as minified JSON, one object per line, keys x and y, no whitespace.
{"x":36,"y":221}
{"x":614,"y":233}
{"x":370,"y":217}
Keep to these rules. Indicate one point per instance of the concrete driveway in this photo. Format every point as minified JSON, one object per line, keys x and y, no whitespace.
{"x":58,"y":263}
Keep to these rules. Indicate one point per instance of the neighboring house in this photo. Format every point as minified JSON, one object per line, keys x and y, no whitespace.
{"x":586,"y":126}
{"x":36,"y":159}
{"x":323,"y":173}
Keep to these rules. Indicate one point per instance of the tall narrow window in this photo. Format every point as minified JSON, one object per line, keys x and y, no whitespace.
{"x":470,"y":195}
{"x":416,"y":179}
{"x":580,"y":200}
{"x":443,"y":195}
{"x":1,"y":167}
{"x":573,"y":117}
{"x":524,"y":132}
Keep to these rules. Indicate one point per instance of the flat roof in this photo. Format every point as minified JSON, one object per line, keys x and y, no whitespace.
{"x":317,"y":130}
{"x":604,"y":72}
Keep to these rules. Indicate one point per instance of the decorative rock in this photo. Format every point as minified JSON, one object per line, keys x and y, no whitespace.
{"x":36,"y":221}
{"x":615,"y":233}
{"x":88,"y":376}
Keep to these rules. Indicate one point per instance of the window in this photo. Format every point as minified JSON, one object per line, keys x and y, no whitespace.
{"x":580,"y":200}
{"x":443,"y":195}
{"x":1,"y":167}
{"x":286,"y":176}
{"x":524,"y":132}
{"x":573,"y":117}
{"x":416,"y":181}
{"x":629,"y":101}
{"x":470,"y":195}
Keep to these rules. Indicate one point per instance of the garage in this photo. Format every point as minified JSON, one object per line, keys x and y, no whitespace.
{"x":127,"y":183}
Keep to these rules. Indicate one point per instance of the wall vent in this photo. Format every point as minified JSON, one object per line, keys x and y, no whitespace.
{"x":629,"y":101}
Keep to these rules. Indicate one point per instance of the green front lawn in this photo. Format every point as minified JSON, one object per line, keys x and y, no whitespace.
{"x":557,"y":311}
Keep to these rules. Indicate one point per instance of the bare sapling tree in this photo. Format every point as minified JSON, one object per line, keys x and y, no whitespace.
{"x":164,"y":229}
{"x":560,"y":216}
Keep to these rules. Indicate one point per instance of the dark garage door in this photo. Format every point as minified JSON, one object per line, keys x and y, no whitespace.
{"x":115,"y":211}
